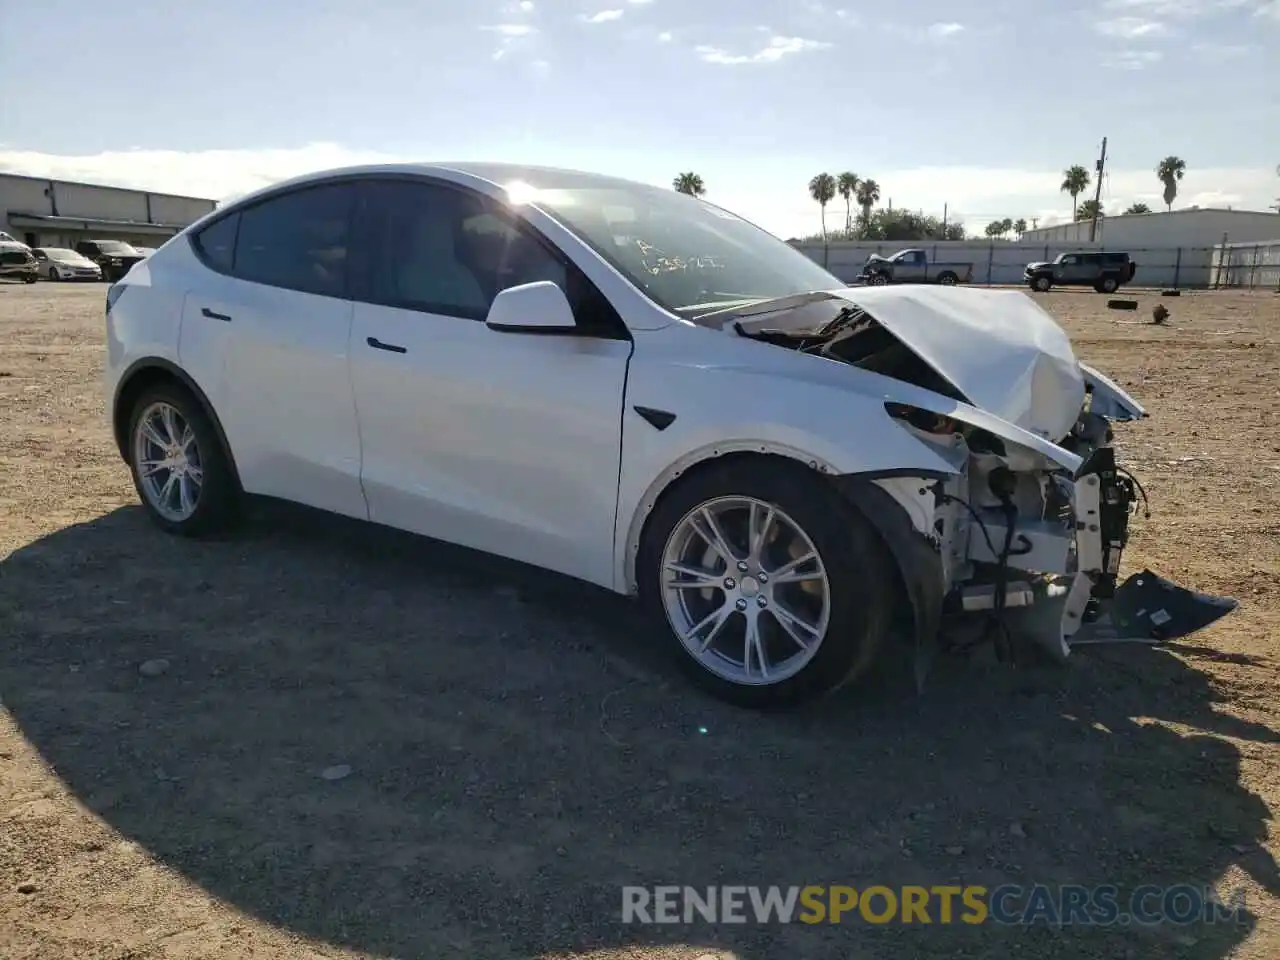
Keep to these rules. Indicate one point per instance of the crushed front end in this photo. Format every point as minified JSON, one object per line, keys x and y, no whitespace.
{"x":1030,"y":551}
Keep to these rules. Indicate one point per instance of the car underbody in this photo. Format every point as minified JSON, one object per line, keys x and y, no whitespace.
{"x":1021,"y":542}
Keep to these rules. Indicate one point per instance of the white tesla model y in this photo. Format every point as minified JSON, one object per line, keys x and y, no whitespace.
{"x":641,"y":390}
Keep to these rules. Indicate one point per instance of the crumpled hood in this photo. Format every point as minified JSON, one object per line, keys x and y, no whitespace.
{"x":997,"y":347}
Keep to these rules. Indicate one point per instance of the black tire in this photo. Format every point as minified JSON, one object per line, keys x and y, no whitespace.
{"x":1041,"y":284}
{"x":1108,"y":285}
{"x":31,"y":277}
{"x":879,"y":280}
{"x":217,"y":504}
{"x":948,"y":279}
{"x":53,"y":274}
{"x":857,"y":563}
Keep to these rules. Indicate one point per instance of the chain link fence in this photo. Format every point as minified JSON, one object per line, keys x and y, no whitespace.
{"x":1249,"y":266}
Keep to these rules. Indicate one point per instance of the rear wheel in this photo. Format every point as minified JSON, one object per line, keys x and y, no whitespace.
{"x":770,"y":587}
{"x":1108,"y":285}
{"x":948,"y":279}
{"x":180,"y":471}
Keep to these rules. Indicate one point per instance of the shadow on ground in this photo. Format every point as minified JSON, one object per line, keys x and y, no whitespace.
{"x":518,"y":753}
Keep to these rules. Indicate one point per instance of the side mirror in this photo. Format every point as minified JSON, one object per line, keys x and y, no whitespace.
{"x":539,"y":307}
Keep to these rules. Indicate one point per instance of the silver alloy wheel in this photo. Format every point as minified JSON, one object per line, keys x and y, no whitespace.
{"x":167,"y":458}
{"x":745,"y":590}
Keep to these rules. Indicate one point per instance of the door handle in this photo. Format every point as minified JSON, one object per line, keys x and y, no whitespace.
{"x":379,"y":345}
{"x":205,"y":311}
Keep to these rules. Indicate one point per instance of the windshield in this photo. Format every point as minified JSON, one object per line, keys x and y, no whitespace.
{"x":115,"y":247}
{"x":60,"y":254}
{"x":688,"y":256}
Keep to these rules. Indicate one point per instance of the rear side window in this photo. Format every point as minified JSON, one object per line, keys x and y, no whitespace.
{"x":298,"y":241}
{"x":217,"y":243}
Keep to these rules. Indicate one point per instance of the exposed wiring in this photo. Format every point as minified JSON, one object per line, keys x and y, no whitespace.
{"x":1146,"y":503}
{"x":982,"y":527}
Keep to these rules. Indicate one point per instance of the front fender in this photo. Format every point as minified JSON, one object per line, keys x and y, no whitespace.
{"x":832,"y":429}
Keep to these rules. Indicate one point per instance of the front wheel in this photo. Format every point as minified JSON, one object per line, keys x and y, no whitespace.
{"x":1041,"y":284}
{"x":770,"y":587}
{"x":53,"y":274}
{"x":180,"y":471}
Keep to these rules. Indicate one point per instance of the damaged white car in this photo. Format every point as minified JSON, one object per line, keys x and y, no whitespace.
{"x":641,"y":390}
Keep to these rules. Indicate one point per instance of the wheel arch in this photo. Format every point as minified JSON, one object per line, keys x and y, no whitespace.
{"x":149,"y":372}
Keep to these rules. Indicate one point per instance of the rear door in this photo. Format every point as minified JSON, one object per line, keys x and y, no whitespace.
{"x":266,"y":332}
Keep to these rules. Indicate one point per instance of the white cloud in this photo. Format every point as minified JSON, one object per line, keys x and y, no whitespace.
{"x":510,"y":36}
{"x":1179,"y":9}
{"x":945,"y":29}
{"x":1270,"y":10}
{"x":665,"y":36}
{"x":513,"y":29}
{"x":777,"y":48}
{"x":1130,"y":28}
{"x":1134,"y":59}
{"x":604,"y":16}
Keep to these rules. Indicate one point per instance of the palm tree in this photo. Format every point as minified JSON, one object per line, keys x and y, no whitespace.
{"x":1019,"y":227}
{"x":868,"y":194}
{"x":1169,"y":172}
{"x":1075,"y":180}
{"x":847,"y":184}
{"x":689,"y":183}
{"x":823,"y":189}
{"x":1138,"y":208}
{"x":1006,"y":227}
{"x":1087,"y":209}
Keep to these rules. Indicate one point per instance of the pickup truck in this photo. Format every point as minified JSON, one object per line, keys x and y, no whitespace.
{"x":912,"y":266}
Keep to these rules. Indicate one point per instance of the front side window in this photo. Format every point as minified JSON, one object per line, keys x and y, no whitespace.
{"x":444,"y":251}
{"x":298,"y":241}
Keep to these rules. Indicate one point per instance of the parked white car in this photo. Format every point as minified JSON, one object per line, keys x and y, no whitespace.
{"x":58,"y":263}
{"x":641,"y":390}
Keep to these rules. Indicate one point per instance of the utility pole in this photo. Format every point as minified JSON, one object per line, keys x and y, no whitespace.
{"x":944,"y":221}
{"x":1034,"y":222}
{"x":1097,"y":193}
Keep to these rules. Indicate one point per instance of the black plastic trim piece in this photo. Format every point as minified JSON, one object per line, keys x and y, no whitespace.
{"x":658,"y":419}
{"x":206,"y":312}
{"x":564,"y":331}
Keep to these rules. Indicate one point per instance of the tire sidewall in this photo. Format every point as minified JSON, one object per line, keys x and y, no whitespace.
{"x":856,"y":562}
{"x":1041,"y":284}
{"x":216,"y":506}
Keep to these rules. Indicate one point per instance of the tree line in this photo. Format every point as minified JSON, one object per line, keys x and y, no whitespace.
{"x":903,"y":225}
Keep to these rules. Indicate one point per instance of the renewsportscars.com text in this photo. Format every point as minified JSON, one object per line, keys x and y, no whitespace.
{"x":942,"y":904}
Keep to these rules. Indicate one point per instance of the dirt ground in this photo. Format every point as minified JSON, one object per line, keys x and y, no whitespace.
{"x":518,"y":751}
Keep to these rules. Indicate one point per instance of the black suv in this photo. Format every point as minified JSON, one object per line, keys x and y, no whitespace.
{"x":115,"y":257}
{"x":1105,"y":272}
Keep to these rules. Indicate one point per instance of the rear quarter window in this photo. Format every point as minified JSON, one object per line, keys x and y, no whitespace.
{"x":216,"y":243}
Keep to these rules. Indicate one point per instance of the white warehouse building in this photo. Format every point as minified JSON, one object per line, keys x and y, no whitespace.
{"x":42,"y":212}
{"x":1192,"y":228}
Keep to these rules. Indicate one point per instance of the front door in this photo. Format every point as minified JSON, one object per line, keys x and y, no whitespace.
{"x":506,"y":443}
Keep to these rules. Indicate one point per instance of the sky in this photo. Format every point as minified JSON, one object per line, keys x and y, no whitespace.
{"x":977,"y":107}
